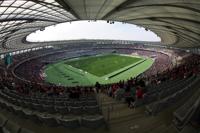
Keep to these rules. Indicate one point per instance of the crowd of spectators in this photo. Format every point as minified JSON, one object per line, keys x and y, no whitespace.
{"x":24,"y":69}
{"x":130,"y":90}
{"x":136,"y":88}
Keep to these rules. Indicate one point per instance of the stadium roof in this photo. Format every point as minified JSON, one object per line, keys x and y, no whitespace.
{"x":177,"y":22}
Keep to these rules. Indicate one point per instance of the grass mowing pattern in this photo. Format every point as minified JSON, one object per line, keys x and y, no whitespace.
{"x":62,"y":74}
{"x":103,"y":65}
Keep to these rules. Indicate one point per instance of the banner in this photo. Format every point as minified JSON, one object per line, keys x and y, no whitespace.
{"x":8,"y":59}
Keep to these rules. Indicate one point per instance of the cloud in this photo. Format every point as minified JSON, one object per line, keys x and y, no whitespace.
{"x":93,"y":30}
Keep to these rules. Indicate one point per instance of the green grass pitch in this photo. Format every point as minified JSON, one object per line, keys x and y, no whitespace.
{"x":86,"y":71}
{"x":103,"y":65}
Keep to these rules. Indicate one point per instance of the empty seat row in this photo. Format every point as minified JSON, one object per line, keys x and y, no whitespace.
{"x":161,"y":93}
{"x":160,"y":105}
{"x":163,"y":85}
{"x":183,"y":114}
{"x":70,"y":121}
{"x":46,"y":100}
{"x":79,"y":110}
{"x":94,"y":121}
{"x":43,"y":96}
{"x":168,"y":91}
{"x":29,"y":104}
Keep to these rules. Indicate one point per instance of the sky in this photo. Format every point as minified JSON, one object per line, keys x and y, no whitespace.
{"x":93,"y":30}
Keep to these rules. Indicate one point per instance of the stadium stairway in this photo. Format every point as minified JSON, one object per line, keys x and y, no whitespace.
{"x":135,"y":120}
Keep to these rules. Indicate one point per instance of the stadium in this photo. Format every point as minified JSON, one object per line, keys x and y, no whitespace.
{"x":96,"y":85}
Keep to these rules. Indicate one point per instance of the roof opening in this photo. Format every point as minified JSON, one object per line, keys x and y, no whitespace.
{"x":92,"y":30}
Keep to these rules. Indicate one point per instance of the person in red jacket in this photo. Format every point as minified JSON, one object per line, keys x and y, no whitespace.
{"x":139,"y":93}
